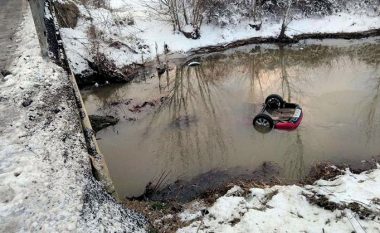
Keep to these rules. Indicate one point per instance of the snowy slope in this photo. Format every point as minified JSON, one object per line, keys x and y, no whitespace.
{"x":46,"y":183}
{"x":288,"y":208}
{"x":149,"y":30}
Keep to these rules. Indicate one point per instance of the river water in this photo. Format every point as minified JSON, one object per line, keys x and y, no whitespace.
{"x":201,"y":120}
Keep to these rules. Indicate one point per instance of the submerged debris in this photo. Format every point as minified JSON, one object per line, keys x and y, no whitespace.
{"x":100,"y":122}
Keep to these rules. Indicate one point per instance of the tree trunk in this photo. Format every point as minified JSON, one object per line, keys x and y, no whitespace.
{"x":284,"y":21}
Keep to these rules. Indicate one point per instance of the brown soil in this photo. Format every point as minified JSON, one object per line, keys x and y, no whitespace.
{"x":67,"y":13}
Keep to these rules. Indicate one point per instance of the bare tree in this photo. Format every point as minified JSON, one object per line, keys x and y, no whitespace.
{"x":255,"y":4}
{"x":285,"y":21}
{"x":186,"y":16}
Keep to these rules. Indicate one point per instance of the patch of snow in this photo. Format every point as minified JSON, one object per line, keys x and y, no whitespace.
{"x":343,"y":22}
{"x":362,"y":188}
{"x":77,"y":47}
{"x":188,"y":28}
{"x":286,"y":208}
{"x":193,"y":211}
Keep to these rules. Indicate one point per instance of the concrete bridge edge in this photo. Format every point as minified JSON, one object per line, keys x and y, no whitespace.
{"x":52,"y":47}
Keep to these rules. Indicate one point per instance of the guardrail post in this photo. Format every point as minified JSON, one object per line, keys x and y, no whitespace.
{"x":46,"y":27}
{"x":38,"y":11}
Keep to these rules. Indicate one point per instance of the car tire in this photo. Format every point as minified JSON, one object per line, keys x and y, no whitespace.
{"x":263,"y":123}
{"x":274,"y":101}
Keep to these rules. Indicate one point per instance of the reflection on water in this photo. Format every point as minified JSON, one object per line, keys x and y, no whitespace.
{"x":205,"y":120}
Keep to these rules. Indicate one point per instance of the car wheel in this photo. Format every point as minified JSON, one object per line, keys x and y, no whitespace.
{"x":274,"y":101}
{"x":263,"y":123}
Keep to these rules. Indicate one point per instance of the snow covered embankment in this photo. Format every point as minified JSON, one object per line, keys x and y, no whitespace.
{"x":46,"y":183}
{"x":137,"y":30}
{"x":350,"y":203}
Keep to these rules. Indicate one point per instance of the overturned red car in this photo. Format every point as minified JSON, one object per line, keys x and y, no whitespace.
{"x":277,"y":113}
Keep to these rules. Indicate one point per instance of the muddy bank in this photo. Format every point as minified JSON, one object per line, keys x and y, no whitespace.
{"x":213,"y":184}
{"x":164,"y":215}
{"x":210,"y":183}
{"x":104,"y":71}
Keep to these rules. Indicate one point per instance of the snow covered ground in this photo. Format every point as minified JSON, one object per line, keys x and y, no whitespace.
{"x":351,"y":203}
{"x":46,"y":183}
{"x":148,"y":30}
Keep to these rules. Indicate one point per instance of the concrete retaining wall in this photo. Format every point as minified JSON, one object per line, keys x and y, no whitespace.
{"x":52,"y":47}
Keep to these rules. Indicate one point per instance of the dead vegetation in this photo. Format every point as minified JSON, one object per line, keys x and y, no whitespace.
{"x":162,"y":216}
{"x":324,"y":171}
{"x":101,"y":33}
{"x":322,"y":201}
{"x":106,"y":70}
{"x":184,"y":15}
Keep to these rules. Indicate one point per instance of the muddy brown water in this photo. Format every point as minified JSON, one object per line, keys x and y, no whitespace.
{"x":201,"y":120}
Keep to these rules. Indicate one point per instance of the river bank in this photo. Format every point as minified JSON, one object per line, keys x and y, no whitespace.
{"x":325,"y":199}
{"x":126,"y":34}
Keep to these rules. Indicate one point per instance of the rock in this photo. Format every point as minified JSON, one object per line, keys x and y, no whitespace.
{"x":56,"y":110}
{"x":27,"y":102}
{"x":236,"y":191}
{"x":161,"y":70}
{"x":130,"y":21}
{"x":191,"y":32}
{"x":5,"y":72}
{"x":68,"y":13}
{"x":256,"y":26}
{"x":100,"y":122}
